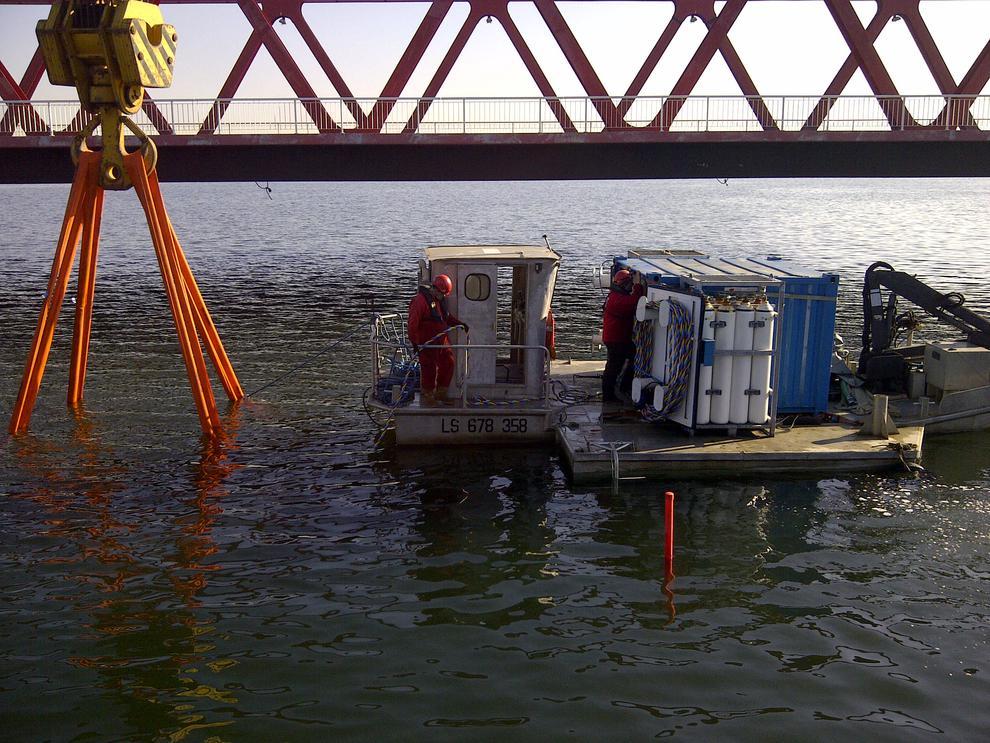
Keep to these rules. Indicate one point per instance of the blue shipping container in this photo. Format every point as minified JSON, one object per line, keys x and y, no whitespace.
{"x":806,"y":339}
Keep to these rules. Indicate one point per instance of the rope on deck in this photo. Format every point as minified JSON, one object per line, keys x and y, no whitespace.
{"x":680,"y":346}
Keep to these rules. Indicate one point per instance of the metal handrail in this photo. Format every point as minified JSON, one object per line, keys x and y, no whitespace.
{"x":525,"y":115}
{"x":388,"y":331}
{"x":544,"y":382}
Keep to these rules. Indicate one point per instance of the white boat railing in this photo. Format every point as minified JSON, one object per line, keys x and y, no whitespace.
{"x":392,"y":357}
{"x":391,"y":354}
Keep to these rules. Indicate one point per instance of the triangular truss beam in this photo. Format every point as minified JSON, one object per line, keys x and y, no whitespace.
{"x":610,"y":106}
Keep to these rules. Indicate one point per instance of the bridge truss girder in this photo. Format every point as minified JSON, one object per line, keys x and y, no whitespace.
{"x":950,"y":143}
{"x":611,"y":106}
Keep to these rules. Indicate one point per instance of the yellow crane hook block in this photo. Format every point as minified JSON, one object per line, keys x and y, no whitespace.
{"x":109,"y":50}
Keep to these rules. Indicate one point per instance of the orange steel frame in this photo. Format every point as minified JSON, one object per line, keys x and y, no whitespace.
{"x":81,"y":226}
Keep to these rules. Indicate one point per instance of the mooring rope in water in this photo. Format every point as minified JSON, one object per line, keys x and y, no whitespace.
{"x":309,"y":360}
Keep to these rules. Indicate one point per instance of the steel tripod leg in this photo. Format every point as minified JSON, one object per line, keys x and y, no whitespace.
{"x":93,"y":210}
{"x":84,"y":181}
{"x":208,"y":332}
{"x":178,"y":297}
{"x":204,"y":323}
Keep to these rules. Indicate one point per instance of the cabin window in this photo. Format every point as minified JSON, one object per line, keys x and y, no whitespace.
{"x":477,"y":287}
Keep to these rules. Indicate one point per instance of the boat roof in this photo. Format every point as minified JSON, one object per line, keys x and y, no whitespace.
{"x":708,"y":269}
{"x":489,"y":252}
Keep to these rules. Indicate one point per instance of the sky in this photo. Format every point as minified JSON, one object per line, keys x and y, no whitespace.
{"x":789,"y":48}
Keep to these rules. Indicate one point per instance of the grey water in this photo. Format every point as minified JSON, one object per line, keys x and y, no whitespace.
{"x":301,"y":583}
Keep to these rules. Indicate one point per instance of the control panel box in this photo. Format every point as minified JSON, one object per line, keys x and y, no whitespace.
{"x":950,"y":367}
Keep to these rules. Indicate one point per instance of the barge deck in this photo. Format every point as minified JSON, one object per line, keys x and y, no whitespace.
{"x":589,"y":433}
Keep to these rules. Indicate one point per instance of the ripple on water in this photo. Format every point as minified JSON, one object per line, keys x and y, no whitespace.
{"x":296,"y":582}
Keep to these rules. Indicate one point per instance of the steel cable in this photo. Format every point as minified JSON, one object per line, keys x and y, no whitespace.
{"x":308,"y":361}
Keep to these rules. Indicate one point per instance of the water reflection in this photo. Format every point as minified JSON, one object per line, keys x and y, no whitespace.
{"x":482,"y":540}
{"x":292,"y":579}
{"x":137,"y":628}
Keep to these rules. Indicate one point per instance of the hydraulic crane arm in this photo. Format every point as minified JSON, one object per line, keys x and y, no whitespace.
{"x":880,"y":317}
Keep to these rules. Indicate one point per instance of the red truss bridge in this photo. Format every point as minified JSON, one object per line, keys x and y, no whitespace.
{"x":409,"y":133}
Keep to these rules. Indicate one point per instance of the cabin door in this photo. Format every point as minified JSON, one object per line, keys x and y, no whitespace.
{"x":477,"y":303}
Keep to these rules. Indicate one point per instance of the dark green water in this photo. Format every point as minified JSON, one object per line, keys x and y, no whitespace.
{"x":299,"y":584}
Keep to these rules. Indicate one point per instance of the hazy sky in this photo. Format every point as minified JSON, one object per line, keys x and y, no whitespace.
{"x":789,"y":48}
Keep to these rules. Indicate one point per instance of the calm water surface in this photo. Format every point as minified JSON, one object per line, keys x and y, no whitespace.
{"x":299,"y":584}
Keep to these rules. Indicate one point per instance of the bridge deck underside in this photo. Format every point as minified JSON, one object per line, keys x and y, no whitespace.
{"x":528,"y":157}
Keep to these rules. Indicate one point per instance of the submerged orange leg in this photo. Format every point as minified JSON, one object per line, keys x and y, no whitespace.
{"x":84,"y":181}
{"x":192,"y":353}
{"x":204,"y":322}
{"x":93,"y":210}
{"x":208,"y":332}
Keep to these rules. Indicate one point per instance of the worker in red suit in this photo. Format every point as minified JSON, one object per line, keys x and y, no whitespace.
{"x":427,"y":325}
{"x":617,"y":330}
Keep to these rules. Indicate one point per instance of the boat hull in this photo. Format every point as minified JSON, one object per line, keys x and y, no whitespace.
{"x":471,"y":426}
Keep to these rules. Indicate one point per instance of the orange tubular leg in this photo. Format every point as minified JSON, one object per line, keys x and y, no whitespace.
{"x":93,"y":210}
{"x":204,"y":322}
{"x":83,"y":216}
{"x":81,"y":196}
{"x":181,"y":299}
{"x":208,"y":331}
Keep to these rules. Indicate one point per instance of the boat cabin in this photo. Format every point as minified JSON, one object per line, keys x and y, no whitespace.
{"x":501,"y":385}
{"x":503,"y":293}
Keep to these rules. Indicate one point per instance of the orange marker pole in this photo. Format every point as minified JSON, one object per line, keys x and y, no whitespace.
{"x":668,"y":554}
{"x":668,"y":551}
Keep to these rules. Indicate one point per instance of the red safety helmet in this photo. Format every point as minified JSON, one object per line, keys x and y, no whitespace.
{"x":622,"y":276}
{"x":443,"y":284}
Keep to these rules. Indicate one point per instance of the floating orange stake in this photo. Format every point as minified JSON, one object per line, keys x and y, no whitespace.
{"x":668,"y":549}
{"x":192,"y":319}
{"x":668,"y":553}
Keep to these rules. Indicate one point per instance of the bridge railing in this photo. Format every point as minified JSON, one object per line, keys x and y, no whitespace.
{"x":510,"y":116}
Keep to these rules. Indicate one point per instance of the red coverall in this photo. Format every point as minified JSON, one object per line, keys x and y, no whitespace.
{"x":617,"y":328}
{"x":427,"y":317}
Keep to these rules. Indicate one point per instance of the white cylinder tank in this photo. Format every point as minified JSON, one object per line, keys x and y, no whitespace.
{"x":704,"y":415}
{"x":759,"y":402}
{"x":741,"y":363}
{"x":725,"y":329}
